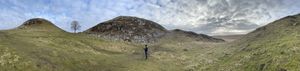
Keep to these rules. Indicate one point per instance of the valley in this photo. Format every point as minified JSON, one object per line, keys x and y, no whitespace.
{"x":38,"y":45}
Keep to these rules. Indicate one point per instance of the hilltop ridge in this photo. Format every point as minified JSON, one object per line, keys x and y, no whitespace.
{"x":39,"y":24}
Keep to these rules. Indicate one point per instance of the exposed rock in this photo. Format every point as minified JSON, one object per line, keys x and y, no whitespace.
{"x":35,"y":22}
{"x":130,"y":29}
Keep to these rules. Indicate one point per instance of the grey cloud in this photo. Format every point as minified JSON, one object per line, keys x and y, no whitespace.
{"x":215,"y":23}
{"x":231,"y":14}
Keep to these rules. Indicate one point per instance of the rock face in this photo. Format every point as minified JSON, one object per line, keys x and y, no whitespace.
{"x":130,"y":29}
{"x":197,"y":37}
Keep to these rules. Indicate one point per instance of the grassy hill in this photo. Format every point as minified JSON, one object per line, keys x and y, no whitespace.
{"x":274,"y":47}
{"x":39,"y":24}
{"x":39,"y":45}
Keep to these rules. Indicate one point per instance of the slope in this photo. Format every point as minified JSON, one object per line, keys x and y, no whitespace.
{"x":193,"y":35}
{"x":274,"y":47}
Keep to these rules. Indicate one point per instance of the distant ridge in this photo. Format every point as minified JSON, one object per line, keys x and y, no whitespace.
{"x":197,"y":37}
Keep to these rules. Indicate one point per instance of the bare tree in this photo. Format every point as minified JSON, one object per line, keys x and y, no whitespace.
{"x":75,"y":26}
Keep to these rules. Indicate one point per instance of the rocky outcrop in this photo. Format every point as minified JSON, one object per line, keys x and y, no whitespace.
{"x":130,"y":29}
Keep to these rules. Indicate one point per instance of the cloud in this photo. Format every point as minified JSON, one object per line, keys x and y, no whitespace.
{"x":213,"y":17}
{"x":208,"y":16}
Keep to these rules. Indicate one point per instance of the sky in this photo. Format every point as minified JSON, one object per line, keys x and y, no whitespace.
{"x":212,"y":17}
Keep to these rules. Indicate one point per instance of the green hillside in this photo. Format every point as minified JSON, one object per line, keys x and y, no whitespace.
{"x":41,"y":46}
{"x":38,"y":45}
{"x":274,"y":47}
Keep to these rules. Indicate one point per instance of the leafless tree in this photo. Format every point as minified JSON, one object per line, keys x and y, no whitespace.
{"x":75,"y":26}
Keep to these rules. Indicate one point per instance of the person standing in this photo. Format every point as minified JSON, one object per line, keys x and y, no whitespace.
{"x":146,"y":52}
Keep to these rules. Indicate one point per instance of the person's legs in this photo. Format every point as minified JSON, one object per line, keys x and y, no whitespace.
{"x":146,"y":55}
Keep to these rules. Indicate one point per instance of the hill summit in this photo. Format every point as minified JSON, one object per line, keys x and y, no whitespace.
{"x":39,"y":24}
{"x":132,"y":29}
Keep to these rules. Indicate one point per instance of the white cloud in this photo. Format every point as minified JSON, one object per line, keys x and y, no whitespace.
{"x":201,"y":16}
